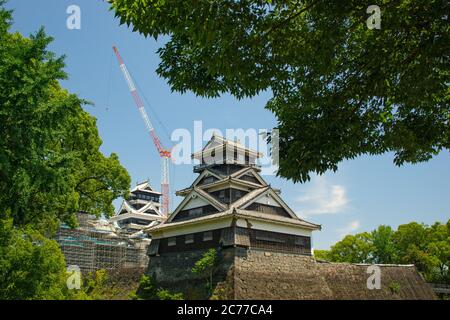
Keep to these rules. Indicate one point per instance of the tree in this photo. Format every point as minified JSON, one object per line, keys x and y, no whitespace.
{"x":427,"y":247}
{"x":50,"y":165}
{"x":31,"y":266}
{"x":206,"y":266}
{"x":439,"y":247}
{"x":339,"y":89}
{"x":353,"y":248}
{"x":50,"y":162}
{"x":383,"y":246}
{"x":147,"y":289}
{"x":321,"y":254}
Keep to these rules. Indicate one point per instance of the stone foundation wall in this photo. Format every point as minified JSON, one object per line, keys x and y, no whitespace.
{"x":173,"y":271}
{"x":253,"y":274}
{"x":265,"y":275}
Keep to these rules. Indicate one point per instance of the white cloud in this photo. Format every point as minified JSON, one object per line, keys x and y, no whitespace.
{"x":323,"y":198}
{"x":348,"y":229}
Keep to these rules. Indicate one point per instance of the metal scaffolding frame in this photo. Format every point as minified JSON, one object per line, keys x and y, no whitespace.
{"x":91,"y":249}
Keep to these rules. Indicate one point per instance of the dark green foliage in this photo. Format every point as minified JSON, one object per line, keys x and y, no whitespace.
{"x":50,"y":162}
{"x":339,"y":89}
{"x":167,"y":295}
{"x":50,"y":166}
{"x":383,"y":245}
{"x":149,"y":290}
{"x":206,"y":267}
{"x":353,"y":248}
{"x":427,"y":247}
{"x":105,"y":285}
{"x":31,"y":266}
{"x":321,"y":254}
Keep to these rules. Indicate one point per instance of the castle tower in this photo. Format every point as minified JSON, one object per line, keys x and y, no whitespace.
{"x":230,"y":205}
{"x":141,"y":210}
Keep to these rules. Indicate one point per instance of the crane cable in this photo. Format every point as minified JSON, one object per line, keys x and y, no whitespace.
{"x":108,"y":89}
{"x":166,"y":132}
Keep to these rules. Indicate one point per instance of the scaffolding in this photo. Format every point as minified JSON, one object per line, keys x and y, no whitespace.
{"x":91,"y":248}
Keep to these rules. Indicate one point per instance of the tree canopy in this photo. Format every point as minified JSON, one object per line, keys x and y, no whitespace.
{"x":339,"y":89}
{"x":51,"y":165}
{"x":31,"y":266}
{"x":427,"y":247}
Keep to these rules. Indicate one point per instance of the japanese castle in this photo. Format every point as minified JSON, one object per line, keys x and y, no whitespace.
{"x":230,"y":205}
{"x":141,"y":210}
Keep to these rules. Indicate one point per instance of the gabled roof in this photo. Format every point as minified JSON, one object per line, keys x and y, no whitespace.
{"x":256,"y":189}
{"x":249,"y":197}
{"x":249,"y":170}
{"x":219,"y":143}
{"x":274,"y":195}
{"x":129,"y":209}
{"x":210,"y":199}
{"x":238,"y":214}
{"x":194,"y":192}
{"x":223,"y":180}
{"x":144,"y":187}
{"x":135,"y":215}
{"x":240,"y":206}
{"x":232,"y":180}
{"x":271,"y":217}
{"x":206,"y":173}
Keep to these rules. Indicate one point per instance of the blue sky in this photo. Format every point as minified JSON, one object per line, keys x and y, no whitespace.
{"x":363,"y":194}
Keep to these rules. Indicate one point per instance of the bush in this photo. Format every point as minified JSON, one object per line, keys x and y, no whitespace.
{"x":206,"y":267}
{"x":149,"y":290}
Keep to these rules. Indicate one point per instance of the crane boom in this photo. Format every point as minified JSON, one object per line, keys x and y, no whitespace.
{"x":165,"y":154}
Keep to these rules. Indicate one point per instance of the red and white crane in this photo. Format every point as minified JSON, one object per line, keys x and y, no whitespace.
{"x":165,"y":154}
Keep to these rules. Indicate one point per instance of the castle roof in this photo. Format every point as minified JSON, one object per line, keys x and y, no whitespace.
{"x":144,"y":187}
{"x":218,"y":144}
{"x":227,"y":192}
{"x":238,"y":213}
{"x":141,"y":211}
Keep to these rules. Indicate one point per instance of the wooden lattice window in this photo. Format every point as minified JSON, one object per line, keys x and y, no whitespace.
{"x":189,"y":239}
{"x":207,"y":236}
{"x":172,"y":242}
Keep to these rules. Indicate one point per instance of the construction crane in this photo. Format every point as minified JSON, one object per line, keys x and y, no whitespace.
{"x":165,"y":154}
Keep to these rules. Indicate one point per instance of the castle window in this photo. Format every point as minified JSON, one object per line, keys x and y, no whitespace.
{"x":269,"y":237}
{"x":171,"y":242}
{"x":300,"y":241}
{"x":196,"y":212}
{"x":189,"y":239}
{"x":207,"y":236}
